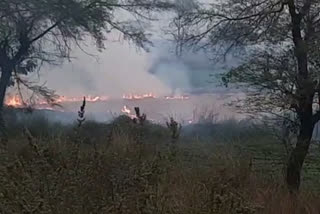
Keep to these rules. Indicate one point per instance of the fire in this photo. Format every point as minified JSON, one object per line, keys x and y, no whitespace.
{"x":139,"y":97}
{"x":38,"y":103}
{"x":14,"y":101}
{"x":182,"y":97}
{"x":125,"y":110}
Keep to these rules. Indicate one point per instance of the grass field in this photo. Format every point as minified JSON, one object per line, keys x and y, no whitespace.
{"x":122,"y":167}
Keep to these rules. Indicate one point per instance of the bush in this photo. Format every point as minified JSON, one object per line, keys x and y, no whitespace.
{"x":124,"y":167}
{"x":125,"y":177}
{"x":226,"y":131}
{"x":148,"y":131}
{"x":37,"y":123}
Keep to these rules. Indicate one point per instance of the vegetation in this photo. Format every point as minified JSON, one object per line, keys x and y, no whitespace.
{"x":109,"y":168}
{"x":34,"y":32}
{"x":281,"y":70}
{"x":134,"y":166}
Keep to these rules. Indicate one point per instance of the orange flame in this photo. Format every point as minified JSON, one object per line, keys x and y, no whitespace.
{"x":14,"y":101}
{"x":127,"y":111}
{"x":139,"y":97}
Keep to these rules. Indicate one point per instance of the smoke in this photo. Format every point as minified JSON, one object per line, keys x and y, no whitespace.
{"x":192,"y":72}
{"x":121,"y":69}
{"x":118,"y":70}
{"x":174,"y":73}
{"x":185,"y":5}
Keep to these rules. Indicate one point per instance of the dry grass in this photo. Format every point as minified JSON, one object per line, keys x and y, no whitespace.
{"x":131,"y":168}
{"x":64,"y":176}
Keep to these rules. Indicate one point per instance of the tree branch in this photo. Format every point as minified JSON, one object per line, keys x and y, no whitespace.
{"x":316,"y":117}
{"x":305,"y":9}
{"x":241,"y":18}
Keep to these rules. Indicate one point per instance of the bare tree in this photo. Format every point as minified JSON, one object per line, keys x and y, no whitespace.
{"x":33,"y":32}
{"x":176,"y":29}
{"x":281,"y":67}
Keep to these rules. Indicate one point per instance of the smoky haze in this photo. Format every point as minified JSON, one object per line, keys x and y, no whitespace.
{"x":192,"y":72}
{"x":121,"y":69}
{"x":118,"y":70}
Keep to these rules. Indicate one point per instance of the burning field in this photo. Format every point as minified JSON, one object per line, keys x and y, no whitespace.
{"x":185,"y":108}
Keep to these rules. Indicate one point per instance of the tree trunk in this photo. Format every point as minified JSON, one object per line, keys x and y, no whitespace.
{"x":4,"y":81}
{"x":299,"y":153}
{"x":304,"y":108}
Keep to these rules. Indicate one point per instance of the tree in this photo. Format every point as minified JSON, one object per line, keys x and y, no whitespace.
{"x":176,"y":29}
{"x":281,"y":68}
{"x":33,"y":32}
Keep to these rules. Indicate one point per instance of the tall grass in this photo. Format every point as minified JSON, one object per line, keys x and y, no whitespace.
{"x":125,"y":177}
{"x":104,"y":169}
